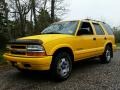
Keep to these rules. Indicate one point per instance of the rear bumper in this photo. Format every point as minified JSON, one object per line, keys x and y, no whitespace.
{"x":41,"y":63}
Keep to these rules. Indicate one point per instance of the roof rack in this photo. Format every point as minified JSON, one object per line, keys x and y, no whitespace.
{"x":94,"y":20}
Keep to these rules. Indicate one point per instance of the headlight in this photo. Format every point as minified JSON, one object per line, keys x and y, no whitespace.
{"x":35,"y":50}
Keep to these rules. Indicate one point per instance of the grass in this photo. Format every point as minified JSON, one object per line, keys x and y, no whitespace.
{"x":118,"y":44}
{"x":1,"y":57}
{"x":2,"y":61}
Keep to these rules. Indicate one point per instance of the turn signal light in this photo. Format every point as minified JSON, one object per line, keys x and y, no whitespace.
{"x":36,"y":54}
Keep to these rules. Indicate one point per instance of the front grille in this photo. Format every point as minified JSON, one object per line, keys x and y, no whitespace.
{"x":18,"y":49}
{"x":18,"y":52}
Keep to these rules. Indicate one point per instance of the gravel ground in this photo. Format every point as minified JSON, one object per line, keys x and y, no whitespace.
{"x":86,"y":75}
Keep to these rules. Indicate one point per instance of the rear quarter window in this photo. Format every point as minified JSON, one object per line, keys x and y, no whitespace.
{"x":108,"y":28}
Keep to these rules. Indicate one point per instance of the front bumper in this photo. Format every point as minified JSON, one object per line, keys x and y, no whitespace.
{"x":31,"y":63}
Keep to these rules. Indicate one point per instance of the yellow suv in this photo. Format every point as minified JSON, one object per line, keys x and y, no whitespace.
{"x":60,"y":44}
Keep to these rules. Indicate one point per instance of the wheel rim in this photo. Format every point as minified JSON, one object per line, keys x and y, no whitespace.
{"x":63,"y":67}
{"x":108,"y":55}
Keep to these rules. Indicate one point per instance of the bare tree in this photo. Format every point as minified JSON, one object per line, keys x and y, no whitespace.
{"x":21,"y":9}
{"x":57,"y":9}
{"x":60,"y":8}
{"x":45,"y":2}
{"x":27,"y":11}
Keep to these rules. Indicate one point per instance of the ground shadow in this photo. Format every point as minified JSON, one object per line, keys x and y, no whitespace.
{"x":45,"y":75}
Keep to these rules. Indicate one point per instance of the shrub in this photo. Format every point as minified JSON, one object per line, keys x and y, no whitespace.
{"x":3,"y":42}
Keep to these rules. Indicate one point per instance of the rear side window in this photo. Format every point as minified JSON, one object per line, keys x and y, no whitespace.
{"x":108,"y":28}
{"x":98,"y":29}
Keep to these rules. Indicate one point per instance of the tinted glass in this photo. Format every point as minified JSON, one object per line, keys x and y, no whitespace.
{"x":68,"y":27}
{"x":98,"y":29}
{"x":108,"y":28}
{"x":85,"y":29}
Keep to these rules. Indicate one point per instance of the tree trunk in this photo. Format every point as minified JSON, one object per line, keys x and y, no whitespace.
{"x":52,"y":10}
{"x":6,"y":19}
{"x":22,"y":23}
{"x":34,"y":12}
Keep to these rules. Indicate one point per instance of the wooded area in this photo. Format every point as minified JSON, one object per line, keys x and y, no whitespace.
{"x":19,"y":18}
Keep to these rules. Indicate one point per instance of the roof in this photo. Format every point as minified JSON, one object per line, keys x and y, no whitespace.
{"x":93,"y":20}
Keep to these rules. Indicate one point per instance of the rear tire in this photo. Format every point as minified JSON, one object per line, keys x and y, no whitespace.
{"x":107,"y":55}
{"x":61,"y":66}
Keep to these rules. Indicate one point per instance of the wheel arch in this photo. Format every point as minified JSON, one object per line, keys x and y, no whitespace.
{"x":110,"y":45}
{"x":64,"y":49}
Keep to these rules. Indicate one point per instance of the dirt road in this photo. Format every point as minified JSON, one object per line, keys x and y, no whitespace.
{"x":86,"y":75}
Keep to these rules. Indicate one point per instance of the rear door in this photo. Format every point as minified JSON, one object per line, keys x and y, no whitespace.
{"x":100,"y":38}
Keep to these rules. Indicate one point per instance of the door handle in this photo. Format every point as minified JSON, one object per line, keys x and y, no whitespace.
{"x":105,"y":38}
{"x":94,"y":38}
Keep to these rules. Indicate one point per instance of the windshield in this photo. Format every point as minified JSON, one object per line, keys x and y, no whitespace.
{"x":67,"y":27}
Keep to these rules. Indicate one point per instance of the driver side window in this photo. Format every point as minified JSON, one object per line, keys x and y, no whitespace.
{"x":85,"y":29}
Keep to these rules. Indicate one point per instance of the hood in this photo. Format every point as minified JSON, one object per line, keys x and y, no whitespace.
{"x":45,"y":37}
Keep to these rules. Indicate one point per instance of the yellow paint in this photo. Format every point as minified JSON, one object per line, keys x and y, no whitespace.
{"x":36,"y":63}
{"x":82,"y":46}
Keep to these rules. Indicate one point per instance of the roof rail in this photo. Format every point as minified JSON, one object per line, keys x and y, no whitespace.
{"x":93,"y":20}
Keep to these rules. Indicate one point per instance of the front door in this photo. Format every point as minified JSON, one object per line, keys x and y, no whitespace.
{"x":86,"y":42}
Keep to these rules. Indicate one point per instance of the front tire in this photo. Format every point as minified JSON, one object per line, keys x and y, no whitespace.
{"x":61,"y":66}
{"x":107,"y":55}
